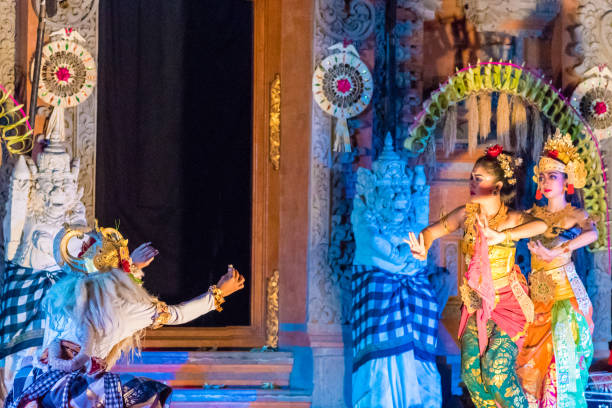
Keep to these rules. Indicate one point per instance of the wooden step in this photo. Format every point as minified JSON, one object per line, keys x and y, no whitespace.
{"x":239,"y":398}
{"x":195,"y":369}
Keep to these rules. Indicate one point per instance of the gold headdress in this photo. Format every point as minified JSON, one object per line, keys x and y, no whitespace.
{"x":560,"y":155}
{"x":105,"y":250}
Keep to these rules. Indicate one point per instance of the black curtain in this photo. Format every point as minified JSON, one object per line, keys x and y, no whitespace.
{"x":174,"y":141}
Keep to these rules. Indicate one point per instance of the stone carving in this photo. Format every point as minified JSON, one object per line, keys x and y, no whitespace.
{"x":488,"y":15}
{"x":42,"y":197}
{"x":324,"y":304}
{"x":7,"y":44}
{"x":70,"y":13}
{"x":81,"y":121}
{"x":338,"y":23}
{"x":379,"y":76}
{"x":593,"y":34}
{"x":392,"y":200}
{"x":599,"y":289}
{"x":425,"y":9}
{"x":342,"y":246}
{"x":7,"y":79}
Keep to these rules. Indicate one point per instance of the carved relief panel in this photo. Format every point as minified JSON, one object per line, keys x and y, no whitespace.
{"x":82,"y":16}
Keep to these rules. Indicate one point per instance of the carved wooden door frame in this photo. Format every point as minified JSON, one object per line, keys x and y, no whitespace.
{"x":265,"y":196}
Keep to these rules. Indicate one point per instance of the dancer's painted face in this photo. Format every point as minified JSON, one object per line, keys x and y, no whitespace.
{"x":552,"y":183}
{"x":483,"y":184}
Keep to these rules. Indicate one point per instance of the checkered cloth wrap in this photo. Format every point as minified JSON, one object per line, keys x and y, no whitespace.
{"x":21,"y":317}
{"x":35,"y":384}
{"x":391,"y":314}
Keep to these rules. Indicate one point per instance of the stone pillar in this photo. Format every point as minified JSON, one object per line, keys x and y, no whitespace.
{"x":592,"y":46}
{"x":8,"y":17}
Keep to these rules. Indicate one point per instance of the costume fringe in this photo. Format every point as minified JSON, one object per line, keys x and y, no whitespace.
{"x":519,"y":124}
{"x":503,"y":121}
{"x":537,"y":130}
{"x":472,"y":108}
{"x":449,"y":133}
{"x":484,"y":115}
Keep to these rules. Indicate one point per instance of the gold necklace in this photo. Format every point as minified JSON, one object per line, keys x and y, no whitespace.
{"x":472,"y":210}
{"x":554,"y":220}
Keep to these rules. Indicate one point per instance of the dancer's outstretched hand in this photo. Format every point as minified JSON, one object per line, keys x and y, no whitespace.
{"x":144,"y":255}
{"x":417,"y":246}
{"x":231,"y":282}
{"x":493,"y":237}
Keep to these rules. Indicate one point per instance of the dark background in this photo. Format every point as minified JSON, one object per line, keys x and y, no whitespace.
{"x":174,"y":141}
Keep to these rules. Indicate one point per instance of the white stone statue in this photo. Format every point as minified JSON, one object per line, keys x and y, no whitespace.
{"x":395,"y":312}
{"x":43,"y":196}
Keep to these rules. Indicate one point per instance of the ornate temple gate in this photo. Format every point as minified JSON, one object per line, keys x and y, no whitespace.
{"x":17,"y":44}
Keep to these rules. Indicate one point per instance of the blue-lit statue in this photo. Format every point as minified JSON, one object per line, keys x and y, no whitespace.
{"x":394,"y":309}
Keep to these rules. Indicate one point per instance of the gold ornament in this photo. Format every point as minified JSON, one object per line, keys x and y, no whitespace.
{"x":541,"y":287}
{"x":218,"y":295}
{"x":561,"y":155}
{"x":470,"y":298}
{"x":508,"y":165}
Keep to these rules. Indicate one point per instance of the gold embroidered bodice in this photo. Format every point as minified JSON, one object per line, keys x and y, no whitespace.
{"x":501,"y":256}
{"x":551,"y":237}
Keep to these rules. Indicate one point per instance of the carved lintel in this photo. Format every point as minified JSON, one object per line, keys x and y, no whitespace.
{"x":272,"y":311}
{"x":336,"y":22}
{"x":275,"y":107}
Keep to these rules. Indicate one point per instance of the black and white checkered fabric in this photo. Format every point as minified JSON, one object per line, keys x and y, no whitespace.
{"x":21,"y":317}
{"x":391,"y":314}
{"x":69,"y":389}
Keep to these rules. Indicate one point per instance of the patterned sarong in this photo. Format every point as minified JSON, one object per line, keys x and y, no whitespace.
{"x":21,"y":317}
{"x":391,"y":314}
{"x":58,"y":389}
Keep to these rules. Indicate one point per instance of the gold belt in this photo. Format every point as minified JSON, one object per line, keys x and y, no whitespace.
{"x":551,"y":284}
{"x":501,"y":282}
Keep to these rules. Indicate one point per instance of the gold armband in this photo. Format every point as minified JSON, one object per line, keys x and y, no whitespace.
{"x":218,"y":295}
{"x":162,"y":315}
{"x":444,"y":222}
{"x":565,"y":247}
{"x":508,"y":240}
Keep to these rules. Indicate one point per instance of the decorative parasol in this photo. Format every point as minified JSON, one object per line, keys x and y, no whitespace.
{"x":593,"y":99}
{"x":342,"y":87}
{"x":68,"y":71}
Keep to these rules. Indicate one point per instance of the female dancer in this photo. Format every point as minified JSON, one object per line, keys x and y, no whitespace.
{"x":94,"y":315}
{"x":558,"y":349}
{"x":496,"y":306}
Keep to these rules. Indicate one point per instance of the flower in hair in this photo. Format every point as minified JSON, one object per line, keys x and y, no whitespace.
{"x":553,"y":154}
{"x":494,"y":151}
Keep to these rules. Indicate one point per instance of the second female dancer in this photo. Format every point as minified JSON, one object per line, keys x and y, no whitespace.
{"x":558,"y":349}
{"x":496,"y":308}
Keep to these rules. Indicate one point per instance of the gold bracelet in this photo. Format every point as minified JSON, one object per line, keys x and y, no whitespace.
{"x":566,"y":247}
{"x":218,"y":295}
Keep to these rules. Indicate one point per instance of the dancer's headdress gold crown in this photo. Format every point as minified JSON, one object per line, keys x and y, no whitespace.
{"x":561,"y":155}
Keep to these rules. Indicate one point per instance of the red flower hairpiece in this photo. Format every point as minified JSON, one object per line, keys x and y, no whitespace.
{"x":554,"y":154}
{"x":494,"y":151}
{"x":125,"y":265}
